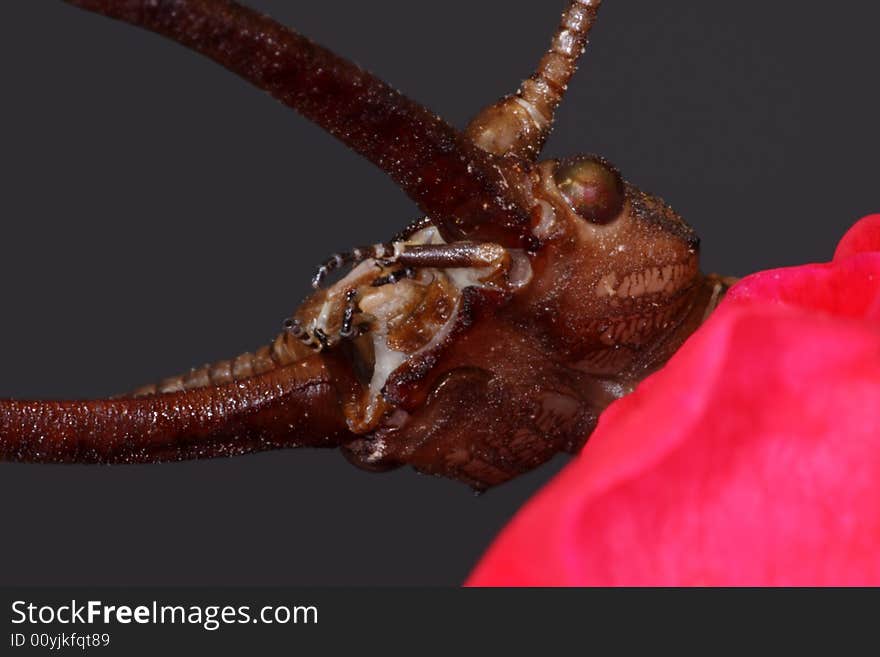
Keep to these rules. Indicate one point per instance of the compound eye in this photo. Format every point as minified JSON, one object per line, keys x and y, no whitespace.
{"x":592,"y":187}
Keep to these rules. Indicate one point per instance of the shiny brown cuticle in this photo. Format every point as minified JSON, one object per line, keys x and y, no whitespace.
{"x":486,"y":337}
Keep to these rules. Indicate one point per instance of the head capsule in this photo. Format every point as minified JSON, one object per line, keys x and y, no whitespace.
{"x":615,"y":267}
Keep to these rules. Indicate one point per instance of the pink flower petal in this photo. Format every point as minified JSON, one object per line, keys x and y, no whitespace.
{"x":752,"y":458}
{"x":864,"y":237}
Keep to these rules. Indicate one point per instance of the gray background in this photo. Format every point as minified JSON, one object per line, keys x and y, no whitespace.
{"x":158,"y":213}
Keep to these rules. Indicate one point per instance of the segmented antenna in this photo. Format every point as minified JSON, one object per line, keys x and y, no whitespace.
{"x":520,"y":124}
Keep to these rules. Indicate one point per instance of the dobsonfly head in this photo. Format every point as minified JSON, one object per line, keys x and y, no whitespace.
{"x":478,"y":343}
{"x":588,"y":258}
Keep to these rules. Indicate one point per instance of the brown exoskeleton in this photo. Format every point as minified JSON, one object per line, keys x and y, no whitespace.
{"x":476,"y":344}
